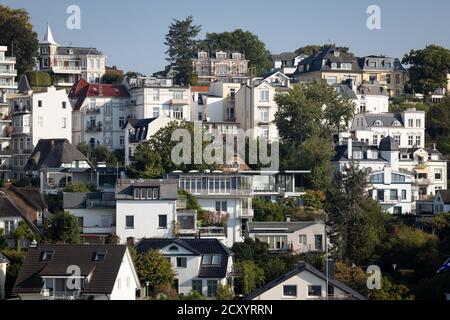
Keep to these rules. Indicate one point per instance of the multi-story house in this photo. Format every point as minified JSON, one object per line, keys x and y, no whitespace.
{"x":138,"y":131}
{"x":8,"y":72}
{"x":105,"y":272}
{"x":384,"y":71}
{"x":227,"y":200}
{"x":21,"y":204}
{"x":4,"y":262}
{"x":406,"y":127}
{"x":35,"y":116}
{"x":96,"y":214}
{"x":297,"y":237}
{"x":70,"y":64}
{"x":221,"y":66}
{"x":201,"y":265}
{"x":331,"y":65}
{"x":57,"y":163}
{"x":153,"y":98}
{"x":146,"y":209}
{"x":99,"y":114}
{"x":256,"y":107}
{"x":5,"y":138}
{"x":388,"y":183}
{"x":286,"y":62}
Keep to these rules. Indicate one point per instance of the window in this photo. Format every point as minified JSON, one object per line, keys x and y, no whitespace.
{"x":396,"y":123}
{"x":437,"y":174}
{"x":80,"y":221}
{"x":121,"y":122}
{"x":222,"y":69}
{"x":181,"y":262}
{"x":178,"y":95}
{"x":403,"y":194}
{"x":221,"y":206}
{"x":200,"y":116}
{"x":40,"y":103}
{"x":334,"y":65}
{"x":100,"y":255}
{"x":411,"y":123}
{"x":290,"y":291}
{"x":197,"y":286}
{"x":264,"y":95}
{"x":358,"y":155}
{"x":397,"y":138}
{"x":331,"y":80}
{"x":162,"y":221}
{"x":129,"y":222}
{"x":47,"y":255}
{"x":318,"y":241}
{"x":394,"y":194}
{"x":410,"y":141}
{"x":155,"y":95}
{"x":9,"y":226}
{"x":64,"y":123}
{"x":375,"y":140}
{"x":373,"y":64}
{"x":212,"y":288}
{"x":397,"y":178}
{"x":64,"y":106}
{"x":155,"y":112}
{"x":418,"y":141}
{"x":264,"y":114}
{"x":346,"y":66}
{"x":265,"y":133}
{"x":302,"y":239}
{"x":136,"y":193}
{"x":215,"y":259}
{"x":418,"y":123}
{"x":122,"y":140}
{"x":388,"y":79}
{"x":378,"y":123}
{"x":314,"y":291}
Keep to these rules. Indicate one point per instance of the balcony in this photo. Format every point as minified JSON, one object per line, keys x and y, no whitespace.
{"x":48,"y":294}
{"x":94,"y":127}
{"x":67,"y":69}
{"x":422,"y":182}
{"x":212,"y":231}
{"x":8,"y":85}
{"x":99,"y":203}
{"x":95,"y":110}
{"x":389,"y":201}
{"x":246,"y":213}
{"x":7,"y":72}
{"x":21,"y":109}
{"x":180,"y":101}
{"x":97,"y":229}
{"x":133,"y":139}
{"x":21,"y":130}
{"x":9,"y":59}
{"x":5,"y":117}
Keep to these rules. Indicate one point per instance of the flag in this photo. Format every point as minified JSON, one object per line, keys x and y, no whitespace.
{"x":445,"y":266}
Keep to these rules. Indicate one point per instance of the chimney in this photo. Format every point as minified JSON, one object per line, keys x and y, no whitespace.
{"x":288,"y":218}
{"x":434,"y":146}
{"x":350,"y":148}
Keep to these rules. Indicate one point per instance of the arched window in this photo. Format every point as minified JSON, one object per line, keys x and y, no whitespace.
{"x":173,"y":248}
{"x":396,"y":123}
{"x":378,"y":123}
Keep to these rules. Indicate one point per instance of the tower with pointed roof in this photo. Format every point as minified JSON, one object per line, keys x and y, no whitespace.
{"x":47,"y":48}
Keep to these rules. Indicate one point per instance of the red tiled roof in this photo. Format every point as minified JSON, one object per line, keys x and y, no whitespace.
{"x":82,"y":89}
{"x":199,"y":88}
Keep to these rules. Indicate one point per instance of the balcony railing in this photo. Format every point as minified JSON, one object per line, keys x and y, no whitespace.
{"x":133,"y":139}
{"x":94,"y":127}
{"x":246,"y":213}
{"x":422,"y":182}
{"x":98,"y":203}
{"x":19,"y":130}
{"x":211,"y":231}
{"x":47,"y":294}
{"x":93,"y":110}
{"x":22,"y":109}
{"x":8,"y":84}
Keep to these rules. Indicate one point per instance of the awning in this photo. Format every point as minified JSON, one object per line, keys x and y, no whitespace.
{"x":422,"y":170}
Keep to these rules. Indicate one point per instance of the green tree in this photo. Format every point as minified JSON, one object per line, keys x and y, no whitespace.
{"x":240,"y":41}
{"x":3,"y":242}
{"x":153,"y":268}
{"x":16,"y":259}
{"x":268,"y":211}
{"x":112,"y":76}
{"x":64,"y":227}
{"x":181,"y":46}
{"x":312,"y":49}
{"x":251,"y":276}
{"x":391,"y":291}
{"x":353,"y":276}
{"x":251,"y":250}
{"x":356,"y":221}
{"x":225,"y":292}
{"x":79,"y":187}
{"x":17,"y":33}
{"x":21,"y":233}
{"x":274,"y":268}
{"x":38,"y":79}
{"x":54,"y":202}
{"x":428,"y":68}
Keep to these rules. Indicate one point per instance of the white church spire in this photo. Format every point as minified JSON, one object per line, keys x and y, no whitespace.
{"x":48,"y":38}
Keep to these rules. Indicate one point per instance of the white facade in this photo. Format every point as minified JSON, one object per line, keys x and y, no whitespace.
{"x":8,"y":72}
{"x":36,"y":116}
{"x":5,"y":138}
{"x":256,"y":106}
{"x":145,"y":215}
{"x":407,"y":128}
{"x":3,"y":266}
{"x":127,"y":281}
{"x":100,"y":121}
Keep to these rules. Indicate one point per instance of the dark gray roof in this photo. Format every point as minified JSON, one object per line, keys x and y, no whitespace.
{"x":24,"y":85}
{"x":388,"y":144}
{"x":198,"y":247}
{"x":103,"y":273}
{"x":3,"y":259}
{"x":51,"y":153}
{"x":345,"y":90}
{"x":429,"y":150}
{"x":78,"y":200}
{"x":315,"y":61}
{"x":77,"y":51}
{"x":302,"y":267}
{"x":285,"y":56}
{"x":168,"y":188}
{"x":445,"y":195}
{"x":386,"y":118}
{"x":341,"y":152}
{"x":371,"y":90}
{"x":280,"y":227}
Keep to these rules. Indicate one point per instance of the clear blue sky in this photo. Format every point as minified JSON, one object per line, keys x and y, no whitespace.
{"x":131,"y":33}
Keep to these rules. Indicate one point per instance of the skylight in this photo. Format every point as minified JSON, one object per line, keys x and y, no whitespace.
{"x":100,"y":255}
{"x":47,"y":255}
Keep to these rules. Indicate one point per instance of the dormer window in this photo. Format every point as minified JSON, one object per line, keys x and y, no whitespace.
{"x":396,"y":124}
{"x":334,"y":65}
{"x":336,"y":53}
{"x":236,"y":56}
{"x":211,"y":259}
{"x":47,"y":255}
{"x":378,"y":123}
{"x":221,"y":55}
{"x":100,"y":255}
{"x":202,"y":55}
{"x":173,"y":248}
{"x":372,"y":64}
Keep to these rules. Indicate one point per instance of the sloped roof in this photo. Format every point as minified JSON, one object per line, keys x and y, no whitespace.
{"x":388,"y":144}
{"x":103,"y":273}
{"x":341,"y":151}
{"x":445,"y":195}
{"x":284,"y":56}
{"x":386,"y":118}
{"x":168,"y":188}
{"x":24,"y":85}
{"x":78,"y":51}
{"x":82,"y":89}
{"x":302,"y":267}
{"x":197,"y":247}
{"x":48,"y":37}
{"x":280,"y":227}
{"x":3,"y":259}
{"x":316,"y":61}
{"x":344,"y":90}
{"x":52,"y":153}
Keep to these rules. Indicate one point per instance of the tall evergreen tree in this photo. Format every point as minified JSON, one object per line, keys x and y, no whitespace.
{"x":181,"y":44}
